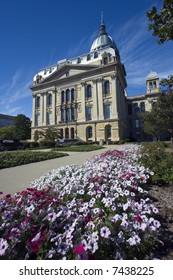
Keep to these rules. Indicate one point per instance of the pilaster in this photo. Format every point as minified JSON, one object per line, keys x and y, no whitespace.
{"x":100,"y":98}
{"x":95,"y":101}
{"x":33,"y":110}
{"x":114,"y":97}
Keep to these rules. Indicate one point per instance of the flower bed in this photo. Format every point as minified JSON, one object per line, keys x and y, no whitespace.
{"x":99,"y":210}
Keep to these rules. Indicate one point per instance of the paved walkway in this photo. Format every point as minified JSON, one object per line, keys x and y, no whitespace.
{"x":18,"y":178}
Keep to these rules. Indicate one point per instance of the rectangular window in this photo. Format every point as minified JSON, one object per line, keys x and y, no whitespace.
{"x":130,"y":110}
{"x":137,"y":123}
{"x":37,"y":120}
{"x":107,"y":111}
{"x":136,"y":108}
{"x":105,"y":60}
{"x":89,"y":113}
{"x":62,"y":116}
{"x":72,"y":114}
{"x":49,"y":118}
{"x":68,"y":115}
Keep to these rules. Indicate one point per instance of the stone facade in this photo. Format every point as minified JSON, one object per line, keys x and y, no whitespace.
{"x":85,"y":97}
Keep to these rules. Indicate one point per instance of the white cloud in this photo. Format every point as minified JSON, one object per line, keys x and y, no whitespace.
{"x":16,"y":95}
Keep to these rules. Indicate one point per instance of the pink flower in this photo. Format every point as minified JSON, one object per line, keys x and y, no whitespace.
{"x":79,"y":249}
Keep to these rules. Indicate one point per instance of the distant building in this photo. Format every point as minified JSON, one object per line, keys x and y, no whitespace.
{"x":6,"y":120}
{"x":85,"y":96}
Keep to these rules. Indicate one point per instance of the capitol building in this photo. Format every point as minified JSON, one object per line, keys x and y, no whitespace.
{"x":85,"y":97}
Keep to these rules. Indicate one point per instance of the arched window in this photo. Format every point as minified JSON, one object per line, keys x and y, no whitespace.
{"x":72,"y":133}
{"x":62,"y":97}
{"x":108,"y":133}
{"x":67,"y":95}
{"x":38,"y":102}
{"x":66,"y":133}
{"x":49,"y":100}
{"x":89,"y":91}
{"x":142,"y":106}
{"x":89,"y":132}
{"x":106,"y":87}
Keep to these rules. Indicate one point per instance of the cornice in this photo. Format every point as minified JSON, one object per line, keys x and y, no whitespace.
{"x":73,"y":78}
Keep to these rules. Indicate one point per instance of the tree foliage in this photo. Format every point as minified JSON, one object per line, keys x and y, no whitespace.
{"x":50,"y":134}
{"x":160,"y":119}
{"x":151,"y":124}
{"x":8,"y":132}
{"x":161,"y":23}
{"x":22,"y":127}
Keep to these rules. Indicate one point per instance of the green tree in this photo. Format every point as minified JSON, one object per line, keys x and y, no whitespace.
{"x":161,"y":116}
{"x":8,"y":132}
{"x":51,"y":134}
{"x":151,"y":124}
{"x":161,"y":23}
{"x":22,"y":127}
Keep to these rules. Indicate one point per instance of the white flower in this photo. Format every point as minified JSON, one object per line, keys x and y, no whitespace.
{"x":105,"y":232}
{"x":30,"y":209}
{"x":135,"y":240}
{"x":3,"y":246}
{"x":156,"y":223}
{"x":92,"y":245}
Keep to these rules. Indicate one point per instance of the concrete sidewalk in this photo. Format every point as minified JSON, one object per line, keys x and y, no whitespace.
{"x":18,"y":178}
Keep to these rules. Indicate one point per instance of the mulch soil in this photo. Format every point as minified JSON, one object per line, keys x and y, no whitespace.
{"x":162,"y":198}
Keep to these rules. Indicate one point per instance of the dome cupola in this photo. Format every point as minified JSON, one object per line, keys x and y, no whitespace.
{"x":103,"y":39}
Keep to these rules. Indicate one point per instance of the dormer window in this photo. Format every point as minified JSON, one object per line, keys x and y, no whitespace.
{"x":78,"y":60}
{"x":105,"y":60}
{"x":95,"y":54}
{"x":88,"y":57}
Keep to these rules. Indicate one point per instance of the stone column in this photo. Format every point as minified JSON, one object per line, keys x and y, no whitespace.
{"x":33,"y":110}
{"x":45,"y":109}
{"x":53,"y":108}
{"x":95,"y":101}
{"x":42,"y":109}
{"x":114,"y":112}
{"x":100,"y":98}
{"x":83,"y":102}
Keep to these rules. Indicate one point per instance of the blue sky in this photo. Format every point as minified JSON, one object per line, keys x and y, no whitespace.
{"x":38,"y":33}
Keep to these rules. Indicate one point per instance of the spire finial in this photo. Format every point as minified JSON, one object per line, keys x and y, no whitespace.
{"x":102,"y":18}
{"x":102,"y":26}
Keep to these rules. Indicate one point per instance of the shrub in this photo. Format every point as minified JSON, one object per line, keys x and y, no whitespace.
{"x":96,"y":211}
{"x":78,"y":148}
{"x":160,"y":161}
{"x":10,"y":159}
